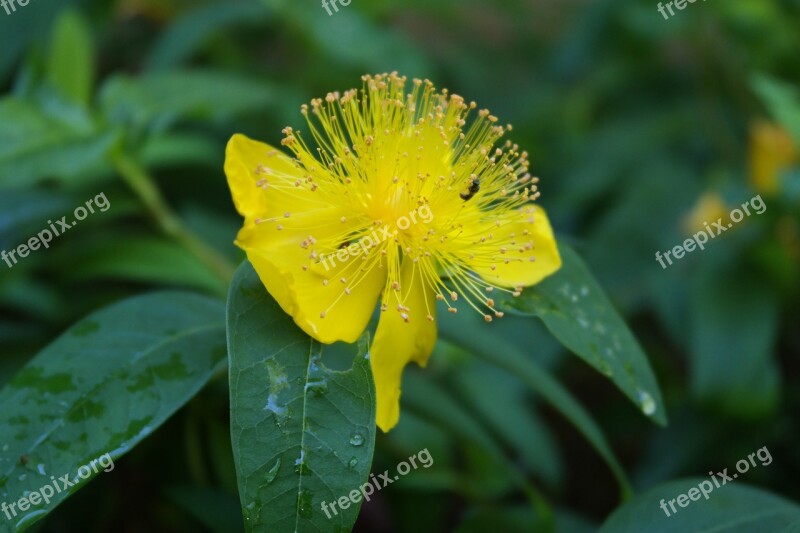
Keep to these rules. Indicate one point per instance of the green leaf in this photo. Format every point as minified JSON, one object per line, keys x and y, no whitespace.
{"x":353,"y":41}
{"x":24,"y":212}
{"x":185,"y":35}
{"x":426,"y":398}
{"x":180,"y":149}
{"x":40,"y":142}
{"x":510,"y":415}
{"x":159,"y":99}
{"x":302,"y":434}
{"x":733,"y":332}
{"x":101,"y":388}
{"x":782,"y":101}
{"x":470,"y":332}
{"x":577,"y":312}
{"x":145,"y":259}
{"x":70,"y":67}
{"x":731,"y":507}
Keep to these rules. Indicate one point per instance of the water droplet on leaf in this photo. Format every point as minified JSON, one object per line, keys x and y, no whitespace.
{"x":647,"y":403}
{"x":273,"y":472}
{"x":301,"y":465}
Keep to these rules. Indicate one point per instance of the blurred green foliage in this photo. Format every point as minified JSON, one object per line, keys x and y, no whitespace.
{"x":630,"y":121}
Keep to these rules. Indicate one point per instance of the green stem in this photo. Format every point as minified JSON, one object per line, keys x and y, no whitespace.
{"x":144,"y":187}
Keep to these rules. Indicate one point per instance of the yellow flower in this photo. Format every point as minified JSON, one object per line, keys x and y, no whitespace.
{"x":772,"y":151}
{"x":709,"y":208}
{"x":398,"y":202}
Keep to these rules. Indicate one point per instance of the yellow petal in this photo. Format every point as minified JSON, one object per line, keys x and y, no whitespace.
{"x":307,"y":294}
{"x":288,"y":231}
{"x":250,"y":167}
{"x":528,"y":236}
{"x":397,"y":342}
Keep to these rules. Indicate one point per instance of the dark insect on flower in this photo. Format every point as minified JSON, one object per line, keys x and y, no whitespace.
{"x":474,"y":187}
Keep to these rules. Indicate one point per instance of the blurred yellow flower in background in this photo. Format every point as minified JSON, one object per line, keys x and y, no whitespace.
{"x":771,"y":151}
{"x":709,"y":208}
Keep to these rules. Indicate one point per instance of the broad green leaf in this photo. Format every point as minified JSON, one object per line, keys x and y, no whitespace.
{"x":303,"y":434}
{"x":733,"y":333}
{"x":470,"y":332}
{"x":70,"y":67}
{"x":40,"y":142}
{"x":157,"y":100}
{"x":577,"y":312}
{"x":732,"y":507}
{"x":101,"y":388}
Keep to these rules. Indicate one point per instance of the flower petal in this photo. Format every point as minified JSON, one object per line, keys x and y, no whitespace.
{"x":397,"y":342}
{"x":249,"y":166}
{"x":288,"y":230}
{"x":306,"y":294}
{"x":514,"y":267}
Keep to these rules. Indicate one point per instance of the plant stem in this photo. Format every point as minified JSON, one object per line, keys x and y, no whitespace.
{"x":144,"y":187}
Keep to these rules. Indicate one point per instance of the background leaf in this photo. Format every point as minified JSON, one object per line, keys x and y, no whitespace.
{"x":102,"y":387}
{"x":499,"y":352}
{"x":70,"y":67}
{"x":156,"y":100}
{"x":729,"y":508}
{"x":731,"y":345}
{"x":576,"y":310}
{"x":53,"y":141}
